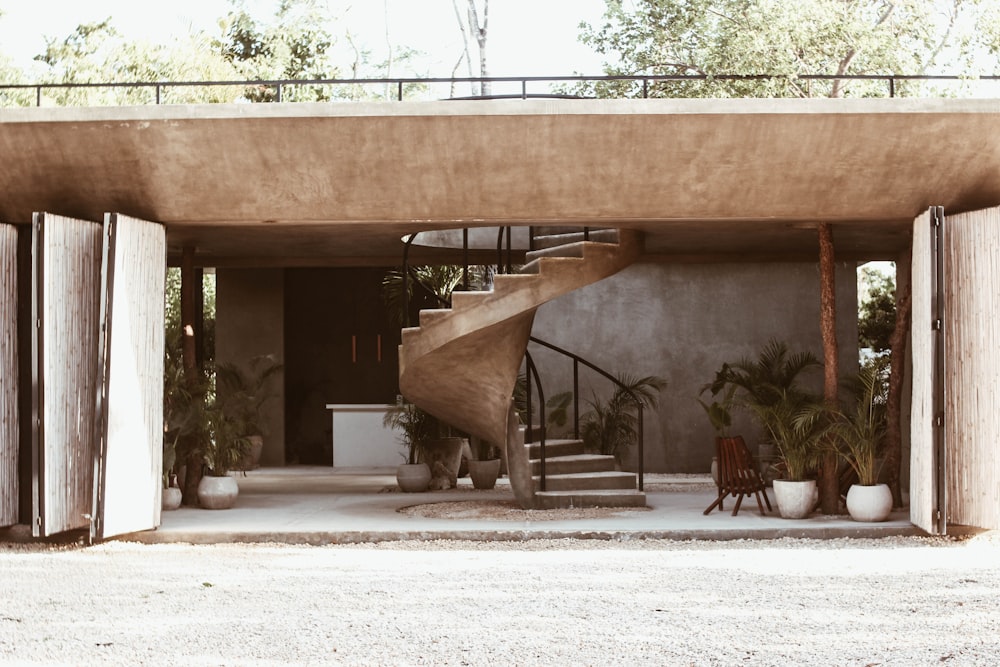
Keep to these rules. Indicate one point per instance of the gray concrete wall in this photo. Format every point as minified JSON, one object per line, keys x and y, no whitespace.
{"x":681,"y":322}
{"x":250,"y":322}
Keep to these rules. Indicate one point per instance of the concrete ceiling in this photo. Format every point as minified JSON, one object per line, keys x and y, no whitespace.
{"x":316,"y":184}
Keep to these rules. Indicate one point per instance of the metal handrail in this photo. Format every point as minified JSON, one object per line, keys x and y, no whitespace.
{"x":577,"y":360}
{"x":160,"y":87}
{"x":532,"y":371}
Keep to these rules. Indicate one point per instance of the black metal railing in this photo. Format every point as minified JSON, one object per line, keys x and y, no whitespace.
{"x":531,"y":373}
{"x":645,"y":82}
{"x":577,"y":362}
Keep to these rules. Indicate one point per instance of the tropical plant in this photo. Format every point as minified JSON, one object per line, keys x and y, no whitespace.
{"x":229,"y":443}
{"x":767,"y":388}
{"x":859,"y":435}
{"x":243,"y":391}
{"x":609,"y":427}
{"x":434,"y":282}
{"x":416,"y":424}
{"x":720,"y":412}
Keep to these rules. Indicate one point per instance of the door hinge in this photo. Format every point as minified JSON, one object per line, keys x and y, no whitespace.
{"x":937,"y":324}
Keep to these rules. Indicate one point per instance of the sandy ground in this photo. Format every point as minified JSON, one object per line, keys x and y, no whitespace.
{"x":897,"y":601}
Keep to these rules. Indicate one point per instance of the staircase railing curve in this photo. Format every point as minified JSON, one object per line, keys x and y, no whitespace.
{"x":532,"y":373}
{"x":577,"y":360}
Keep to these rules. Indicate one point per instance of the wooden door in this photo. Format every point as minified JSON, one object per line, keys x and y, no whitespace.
{"x":9,"y":427}
{"x":66,"y":271}
{"x":131,"y":358}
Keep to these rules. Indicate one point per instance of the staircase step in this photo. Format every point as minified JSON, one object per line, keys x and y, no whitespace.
{"x":601,"y":498}
{"x":556,"y":447}
{"x":461,"y":300}
{"x":564,"y":250}
{"x":566,"y":465}
{"x":431,"y":315}
{"x":596,"y":235}
{"x":560,"y":230}
{"x":408,"y":335}
{"x":588,"y":481}
{"x":551,"y":265}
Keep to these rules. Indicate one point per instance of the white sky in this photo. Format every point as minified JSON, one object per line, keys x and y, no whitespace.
{"x":525,"y":37}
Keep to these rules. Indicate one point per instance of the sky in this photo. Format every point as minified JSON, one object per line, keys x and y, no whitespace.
{"x":525,"y":37}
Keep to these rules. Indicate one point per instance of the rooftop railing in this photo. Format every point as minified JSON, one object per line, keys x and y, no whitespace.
{"x":517,"y":87}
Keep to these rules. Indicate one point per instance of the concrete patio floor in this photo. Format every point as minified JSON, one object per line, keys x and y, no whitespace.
{"x":321,"y":505}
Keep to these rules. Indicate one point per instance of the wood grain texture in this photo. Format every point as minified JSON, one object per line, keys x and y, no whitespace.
{"x":972,"y":354}
{"x":9,"y":427}
{"x":922,"y":486}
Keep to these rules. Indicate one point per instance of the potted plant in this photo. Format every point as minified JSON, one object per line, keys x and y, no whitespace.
{"x":719,"y":413}
{"x":225,"y":449}
{"x":485,"y":468}
{"x":243,"y":391}
{"x":610,"y":428}
{"x":171,"y":498}
{"x":416,"y":425}
{"x":794,"y":420}
{"x":859,"y":438}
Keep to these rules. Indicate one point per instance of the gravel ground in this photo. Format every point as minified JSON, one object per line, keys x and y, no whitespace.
{"x":897,"y":601}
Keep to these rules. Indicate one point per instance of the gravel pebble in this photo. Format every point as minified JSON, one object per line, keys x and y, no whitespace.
{"x":893,"y":601}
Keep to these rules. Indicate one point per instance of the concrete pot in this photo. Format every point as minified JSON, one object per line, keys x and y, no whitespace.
{"x":484,"y":473}
{"x":251,"y":461}
{"x":869,"y":503}
{"x":796,"y":500}
{"x":217,"y":493}
{"x":413,"y":477}
{"x":171,"y":498}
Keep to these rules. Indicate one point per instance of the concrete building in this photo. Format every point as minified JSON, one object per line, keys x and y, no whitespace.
{"x":301,"y":208}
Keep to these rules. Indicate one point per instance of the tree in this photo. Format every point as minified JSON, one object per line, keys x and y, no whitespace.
{"x":788,"y":39}
{"x":876,"y":309}
{"x":478,"y":30}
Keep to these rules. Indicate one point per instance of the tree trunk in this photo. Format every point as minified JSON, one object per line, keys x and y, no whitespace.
{"x":894,"y":402}
{"x":193,"y":460}
{"x":829,"y":483}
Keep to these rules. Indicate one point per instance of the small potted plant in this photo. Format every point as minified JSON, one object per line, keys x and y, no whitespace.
{"x":171,"y":498}
{"x":485,"y":468}
{"x":416,"y":425}
{"x":719,"y":413}
{"x":243,"y":391}
{"x":226,"y":447}
{"x":859,"y":438}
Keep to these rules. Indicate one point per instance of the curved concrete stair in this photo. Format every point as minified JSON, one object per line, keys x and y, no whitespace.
{"x":461,"y":363}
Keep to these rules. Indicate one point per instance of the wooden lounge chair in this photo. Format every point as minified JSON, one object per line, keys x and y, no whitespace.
{"x":738,"y":475}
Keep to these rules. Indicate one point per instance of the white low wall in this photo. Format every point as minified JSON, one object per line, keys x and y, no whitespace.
{"x":360,"y":439}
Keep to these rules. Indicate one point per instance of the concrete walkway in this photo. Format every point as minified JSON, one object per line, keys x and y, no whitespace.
{"x":320,"y":505}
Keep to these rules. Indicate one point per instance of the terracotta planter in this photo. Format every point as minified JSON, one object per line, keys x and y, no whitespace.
{"x":413,"y":477}
{"x":869,"y":503}
{"x":484,"y":473}
{"x":171,"y":499}
{"x":796,"y":500}
{"x":217,"y":493}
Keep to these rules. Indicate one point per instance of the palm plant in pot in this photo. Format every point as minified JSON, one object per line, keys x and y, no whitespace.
{"x":225,"y":449}
{"x":719,"y":413}
{"x":417,"y":426}
{"x":243,"y":391}
{"x":859,"y":437}
{"x":611,"y":427}
{"x":793,"y":419}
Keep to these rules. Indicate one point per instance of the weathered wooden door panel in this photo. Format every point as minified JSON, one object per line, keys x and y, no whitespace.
{"x":66,"y":268}
{"x":9,"y":427}
{"x":131,"y":357}
{"x":926,"y":506}
{"x":972,"y":354}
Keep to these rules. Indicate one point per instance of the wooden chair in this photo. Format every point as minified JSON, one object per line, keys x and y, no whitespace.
{"x":738,"y":475}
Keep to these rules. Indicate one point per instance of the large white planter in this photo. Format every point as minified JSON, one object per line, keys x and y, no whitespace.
{"x":796,"y":500}
{"x":217,"y":493}
{"x":413,"y":477}
{"x":171,"y":498}
{"x":869,"y":503}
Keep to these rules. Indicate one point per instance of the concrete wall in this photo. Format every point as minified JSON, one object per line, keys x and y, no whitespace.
{"x":250,"y":322}
{"x":681,"y":322}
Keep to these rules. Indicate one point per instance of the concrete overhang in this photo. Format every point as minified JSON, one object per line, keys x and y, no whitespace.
{"x":300,"y":184}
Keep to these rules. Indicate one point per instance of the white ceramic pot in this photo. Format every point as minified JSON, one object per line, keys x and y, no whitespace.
{"x":413,"y":477}
{"x":869,"y":503}
{"x":171,"y":499}
{"x":796,"y":500}
{"x":484,"y":473}
{"x":217,"y":493}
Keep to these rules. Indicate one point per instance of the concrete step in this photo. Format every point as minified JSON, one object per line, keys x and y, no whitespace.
{"x":551,"y":265}
{"x":432,"y":315}
{"x":462,"y":300}
{"x":555,"y":447}
{"x":562,"y":230}
{"x":596,"y":235}
{"x":601,"y":498}
{"x":579,"y":463}
{"x":588,"y":481}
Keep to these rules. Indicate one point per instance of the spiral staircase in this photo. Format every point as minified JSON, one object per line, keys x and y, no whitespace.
{"x":461,"y":365}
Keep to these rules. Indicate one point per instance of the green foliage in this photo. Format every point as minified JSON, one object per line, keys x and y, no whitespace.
{"x":416,"y":424}
{"x":787,"y":39}
{"x":876,"y":309}
{"x":243,"y":390}
{"x":609,"y":427}
{"x":859,"y":435}
{"x":767,"y":387}
{"x":720,"y":412}
{"x":436,"y":283}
